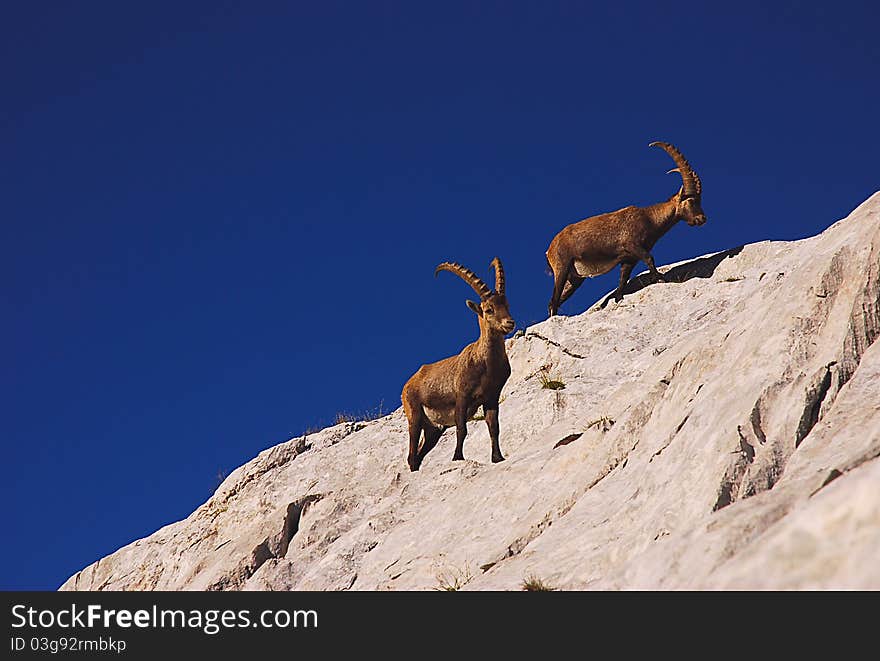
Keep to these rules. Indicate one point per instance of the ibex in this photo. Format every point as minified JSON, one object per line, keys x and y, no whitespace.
{"x":449,"y":392}
{"x":596,"y":245}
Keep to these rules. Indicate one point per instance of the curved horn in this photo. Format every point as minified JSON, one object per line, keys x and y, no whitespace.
{"x":499,"y":275}
{"x":468,"y":276}
{"x":689,"y":178}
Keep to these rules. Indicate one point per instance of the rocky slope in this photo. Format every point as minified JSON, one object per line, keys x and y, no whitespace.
{"x":718,"y":431}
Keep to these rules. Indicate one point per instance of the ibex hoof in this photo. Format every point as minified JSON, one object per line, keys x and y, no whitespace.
{"x":458,"y":456}
{"x":497,"y":458}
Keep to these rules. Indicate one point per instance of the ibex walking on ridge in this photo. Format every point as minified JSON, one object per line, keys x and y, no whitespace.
{"x":596,"y":245}
{"x":450,"y":391}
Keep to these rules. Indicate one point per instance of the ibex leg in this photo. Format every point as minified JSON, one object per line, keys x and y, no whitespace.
{"x":460,"y":430}
{"x":574,"y":281}
{"x":415,"y":431}
{"x":561,"y":277}
{"x":432,"y":436}
{"x":646,"y":257}
{"x":625,"y":269}
{"x":492,"y":424}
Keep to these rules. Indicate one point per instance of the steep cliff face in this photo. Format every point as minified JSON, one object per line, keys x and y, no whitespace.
{"x":721,"y":430}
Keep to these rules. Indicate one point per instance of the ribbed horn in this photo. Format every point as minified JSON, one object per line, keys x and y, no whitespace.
{"x":499,"y":275}
{"x":690,"y":180}
{"x":468,"y":276}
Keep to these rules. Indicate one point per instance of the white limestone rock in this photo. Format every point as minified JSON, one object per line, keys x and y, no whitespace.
{"x":730,"y":435}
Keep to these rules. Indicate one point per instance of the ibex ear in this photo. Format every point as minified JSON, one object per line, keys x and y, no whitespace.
{"x":475,"y":307}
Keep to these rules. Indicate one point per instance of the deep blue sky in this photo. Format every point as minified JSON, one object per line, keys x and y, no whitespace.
{"x":220,"y":221}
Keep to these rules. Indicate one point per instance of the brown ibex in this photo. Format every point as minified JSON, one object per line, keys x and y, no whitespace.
{"x":450,"y":391}
{"x":597,"y":244}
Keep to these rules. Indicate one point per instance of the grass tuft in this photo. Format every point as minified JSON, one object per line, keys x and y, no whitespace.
{"x":548,"y":382}
{"x":534,"y":584}
{"x":603,"y":424}
{"x":452,"y":580}
{"x":352,"y":416}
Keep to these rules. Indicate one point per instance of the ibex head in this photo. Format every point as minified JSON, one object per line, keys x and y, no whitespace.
{"x":688,"y":205}
{"x":492,"y":308}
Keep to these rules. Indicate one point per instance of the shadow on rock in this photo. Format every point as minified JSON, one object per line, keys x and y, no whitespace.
{"x":703,"y":267}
